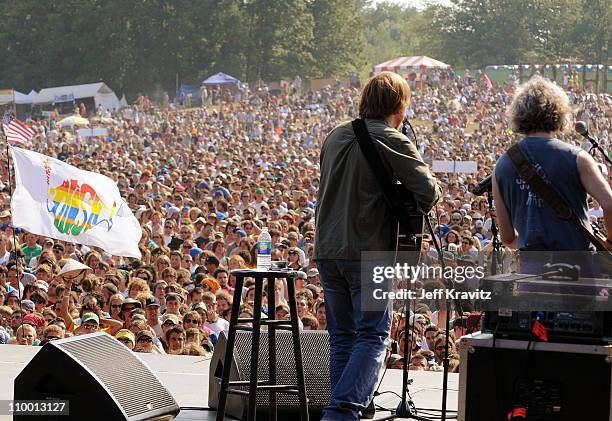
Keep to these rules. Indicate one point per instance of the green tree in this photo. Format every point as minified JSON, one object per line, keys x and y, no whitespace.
{"x":481,"y":32}
{"x":592,"y":32}
{"x":280,"y":38}
{"x":389,"y":33}
{"x":338,"y":45}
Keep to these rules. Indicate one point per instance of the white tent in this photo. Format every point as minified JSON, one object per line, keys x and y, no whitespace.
{"x":102,"y":95}
{"x":25,"y":99}
{"x":8,"y":96}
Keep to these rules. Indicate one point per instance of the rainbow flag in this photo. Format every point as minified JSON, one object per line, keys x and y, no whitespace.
{"x":60,"y":201}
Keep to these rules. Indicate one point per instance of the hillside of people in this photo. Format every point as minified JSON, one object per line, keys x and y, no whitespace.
{"x":204,"y":180}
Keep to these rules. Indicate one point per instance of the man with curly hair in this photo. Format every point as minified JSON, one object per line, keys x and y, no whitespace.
{"x":540,"y":110}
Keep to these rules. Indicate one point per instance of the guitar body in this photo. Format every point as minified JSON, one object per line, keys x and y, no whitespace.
{"x":602,"y":244}
{"x":412,"y":227}
{"x":400,"y":200}
{"x":412,"y":224}
{"x":410,"y":237}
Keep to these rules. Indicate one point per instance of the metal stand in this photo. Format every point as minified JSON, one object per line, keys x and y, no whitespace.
{"x":406,"y":408}
{"x":292,"y":325}
{"x":496,"y":241}
{"x":597,"y":146}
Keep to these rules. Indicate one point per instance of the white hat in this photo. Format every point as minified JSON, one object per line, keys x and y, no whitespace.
{"x":140,"y":211}
{"x":42,"y":285}
{"x":416,"y":318}
{"x":72,"y":269}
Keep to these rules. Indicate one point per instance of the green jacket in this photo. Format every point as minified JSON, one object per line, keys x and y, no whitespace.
{"x":351,"y":214}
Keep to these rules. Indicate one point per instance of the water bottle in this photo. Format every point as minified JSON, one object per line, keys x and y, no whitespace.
{"x":264,"y":250}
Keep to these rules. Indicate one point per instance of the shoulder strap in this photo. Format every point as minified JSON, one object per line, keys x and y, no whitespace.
{"x":382,"y":176}
{"x":546,"y":192}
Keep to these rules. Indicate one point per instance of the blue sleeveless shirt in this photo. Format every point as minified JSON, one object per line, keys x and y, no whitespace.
{"x":538,"y":226}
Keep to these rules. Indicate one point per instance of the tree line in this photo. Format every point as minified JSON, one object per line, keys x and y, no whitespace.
{"x":143,"y":45}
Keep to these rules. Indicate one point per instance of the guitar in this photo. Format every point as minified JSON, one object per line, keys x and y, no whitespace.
{"x":400,"y":200}
{"x":600,"y":238}
{"x":411,"y":230}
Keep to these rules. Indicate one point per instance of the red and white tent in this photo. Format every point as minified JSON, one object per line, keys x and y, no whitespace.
{"x":407,"y":64}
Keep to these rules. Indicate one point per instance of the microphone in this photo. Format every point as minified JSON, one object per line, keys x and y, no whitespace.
{"x":582,"y":129}
{"x":484,"y":186}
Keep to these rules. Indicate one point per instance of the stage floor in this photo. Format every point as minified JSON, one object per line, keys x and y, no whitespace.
{"x":187,"y":380}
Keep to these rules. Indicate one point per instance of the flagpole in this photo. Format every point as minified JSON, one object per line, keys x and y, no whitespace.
{"x":10,"y":180}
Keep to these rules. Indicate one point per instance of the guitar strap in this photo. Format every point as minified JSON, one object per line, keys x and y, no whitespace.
{"x":366,"y":144}
{"x":547,"y":193}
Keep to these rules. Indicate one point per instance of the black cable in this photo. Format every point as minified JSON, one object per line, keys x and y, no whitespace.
{"x":418,"y":418}
{"x":376,"y":393}
{"x":390,"y":391}
{"x":435,"y":409}
{"x":397,"y":331}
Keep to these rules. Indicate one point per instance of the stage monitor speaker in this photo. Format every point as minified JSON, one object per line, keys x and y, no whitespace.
{"x":315,"y":354}
{"x":548,"y":382}
{"x":99,"y":377}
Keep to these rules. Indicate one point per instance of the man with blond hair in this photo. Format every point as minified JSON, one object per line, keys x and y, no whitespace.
{"x":352,"y":217}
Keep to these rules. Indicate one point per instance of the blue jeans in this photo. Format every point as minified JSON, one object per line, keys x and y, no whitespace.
{"x":357,"y":340}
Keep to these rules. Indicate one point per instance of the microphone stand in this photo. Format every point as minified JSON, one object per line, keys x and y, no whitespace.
{"x":496,"y":242}
{"x":598,"y":147}
{"x":406,"y":408}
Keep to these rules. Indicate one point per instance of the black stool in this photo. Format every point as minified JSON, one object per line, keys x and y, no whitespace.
{"x":273,"y":324}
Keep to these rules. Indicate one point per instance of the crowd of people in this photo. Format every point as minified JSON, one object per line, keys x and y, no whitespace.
{"x":204,"y":181}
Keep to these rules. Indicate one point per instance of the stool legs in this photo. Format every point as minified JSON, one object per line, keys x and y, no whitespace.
{"x":252,"y":412}
{"x":297,"y":350}
{"x":229,"y":350}
{"x":272,"y":346}
{"x":253,"y":383}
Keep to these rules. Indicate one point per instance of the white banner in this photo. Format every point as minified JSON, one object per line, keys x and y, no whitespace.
{"x":466,"y":167}
{"x":96,"y":131}
{"x":60,"y":201}
{"x":63,"y":98}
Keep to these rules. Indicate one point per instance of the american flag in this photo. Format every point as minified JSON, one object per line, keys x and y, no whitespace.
{"x":16,"y":132}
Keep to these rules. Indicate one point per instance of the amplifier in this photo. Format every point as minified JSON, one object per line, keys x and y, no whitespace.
{"x":542,"y":381}
{"x":594,"y":327}
{"x":523,"y":292}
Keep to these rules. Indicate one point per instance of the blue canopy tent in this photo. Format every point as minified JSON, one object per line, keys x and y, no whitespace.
{"x":221,"y":79}
{"x":187,"y":90}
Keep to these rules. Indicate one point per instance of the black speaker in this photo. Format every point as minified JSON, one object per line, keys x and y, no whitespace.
{"x":99,"y":377}
{"x":549,"y":382}
{"x":315,"y":354}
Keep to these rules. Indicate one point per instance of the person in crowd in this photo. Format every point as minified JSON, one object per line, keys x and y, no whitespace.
{"x":175,"y":339}
{"x":127,"y":338}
